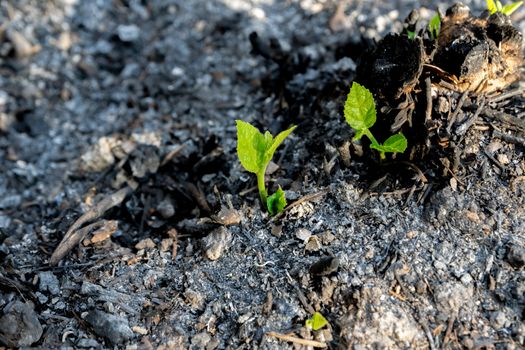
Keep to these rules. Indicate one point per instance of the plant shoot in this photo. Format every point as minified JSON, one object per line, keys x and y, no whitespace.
{"x":360,"y":114}
{"x":255,"y":151}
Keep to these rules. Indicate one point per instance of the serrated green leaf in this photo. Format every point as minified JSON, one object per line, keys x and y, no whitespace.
{"x":276,"y":202}
{"x":509,"y":9}
{"x":434,"y":26}
{"x":276,"y":142}
{"x":316,"y":322}
{"x":251,"y":146}
{"x":360,"y":109}
{"x":395,"y":143}
{"x":491,"y":6}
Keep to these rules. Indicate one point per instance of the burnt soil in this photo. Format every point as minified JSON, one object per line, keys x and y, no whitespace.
{"x":133,"y":104}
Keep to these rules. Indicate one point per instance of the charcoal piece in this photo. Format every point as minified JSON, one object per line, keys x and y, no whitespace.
{"x":19,"y":326}
{"x":324,"y":266}
{"x":463,"y":56}
{"x":393,"y":67}
{"x":113,"y":328}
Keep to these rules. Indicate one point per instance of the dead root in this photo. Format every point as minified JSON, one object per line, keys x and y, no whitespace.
{"x":77,"y":233}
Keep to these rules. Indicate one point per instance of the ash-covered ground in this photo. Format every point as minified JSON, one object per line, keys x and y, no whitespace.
{"x":133,"y":104}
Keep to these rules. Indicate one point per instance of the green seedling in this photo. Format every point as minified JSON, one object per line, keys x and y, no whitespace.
{"x":360,"y":114}
{"x":434,"y":26}
{"x":255,"y":151}
{"x":496,"y":6}
{"x":411,"y":34}
{"x":316,"y":322}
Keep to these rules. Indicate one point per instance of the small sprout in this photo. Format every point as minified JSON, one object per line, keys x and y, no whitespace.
{"x":496,"y":6}
{"x":316,"y":322}
{"x":255,"y":151}
{"x":276,"y":202}
{"x":360,"y":114}
{"x":434,"y":26}
{"x":411,"y":34}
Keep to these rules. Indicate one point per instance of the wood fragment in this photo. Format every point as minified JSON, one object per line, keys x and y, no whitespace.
{"x":424,"y":194}
{"x":300,"y":295}
{"x":296,"y":340}
{"x":13,"y":284}
{"x":453,"y":174}
{"x":421,"y":175}
{"x":428,"y":92}
{"x":172,"y":154}
{"x":198,"y":196}
{"x":108,"y":228}
{"x":463,"y":128}
{"x":430,"y":339}
{"x":506,"y":95}
{"x":505,"y":118}
{"x":494,"y":160}
{"x":509,"y":138}
{"x":454,"y":115}
{"x":75,"y":234}
{"x":396,"y":192}
{"x":450,"y":326}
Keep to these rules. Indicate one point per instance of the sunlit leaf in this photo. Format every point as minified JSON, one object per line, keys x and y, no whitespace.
{"x":360,"y":109}
{"x":434,"y":26}
{"x":316,"y":322}
{"x":509,"y":9}
{"x":250,"y":146}
{"x":395,"y":143}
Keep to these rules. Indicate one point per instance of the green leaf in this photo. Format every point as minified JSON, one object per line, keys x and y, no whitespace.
{"x":360,"y":109}
{"x":276,"y":142}
{"x":395,"y":143}
{"x":499,"y":6}
{"x":251,"y":146}
{"x":316,"y":322}
{"x":276,"y":202}
{"x":359,"y":134}
{"x":411,"y":35}
{"x":511,"y":8}
{"x":491,"y":6}
{"x":434,"y":26}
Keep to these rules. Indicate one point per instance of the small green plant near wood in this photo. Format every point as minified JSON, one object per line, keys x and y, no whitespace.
{"x":316,"y":322}
{"x":411,"y":34}
{"x":496,"y":6}
{"x":255,"y":151}
{"x":434,"y":26}
{"x":360,"y":114}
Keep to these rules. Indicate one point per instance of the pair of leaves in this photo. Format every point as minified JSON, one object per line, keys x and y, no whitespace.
{"x":255,"y":151}
{"x":496,"y":6}
{"x":360,"y":114}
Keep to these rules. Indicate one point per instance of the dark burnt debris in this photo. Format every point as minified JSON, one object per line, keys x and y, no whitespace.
{"x":435,"y":90}
{"x":127,"y":221}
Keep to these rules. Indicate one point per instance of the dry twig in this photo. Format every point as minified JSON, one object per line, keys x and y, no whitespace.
{"x":75,"y":233}
{"x":301,"y":341}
